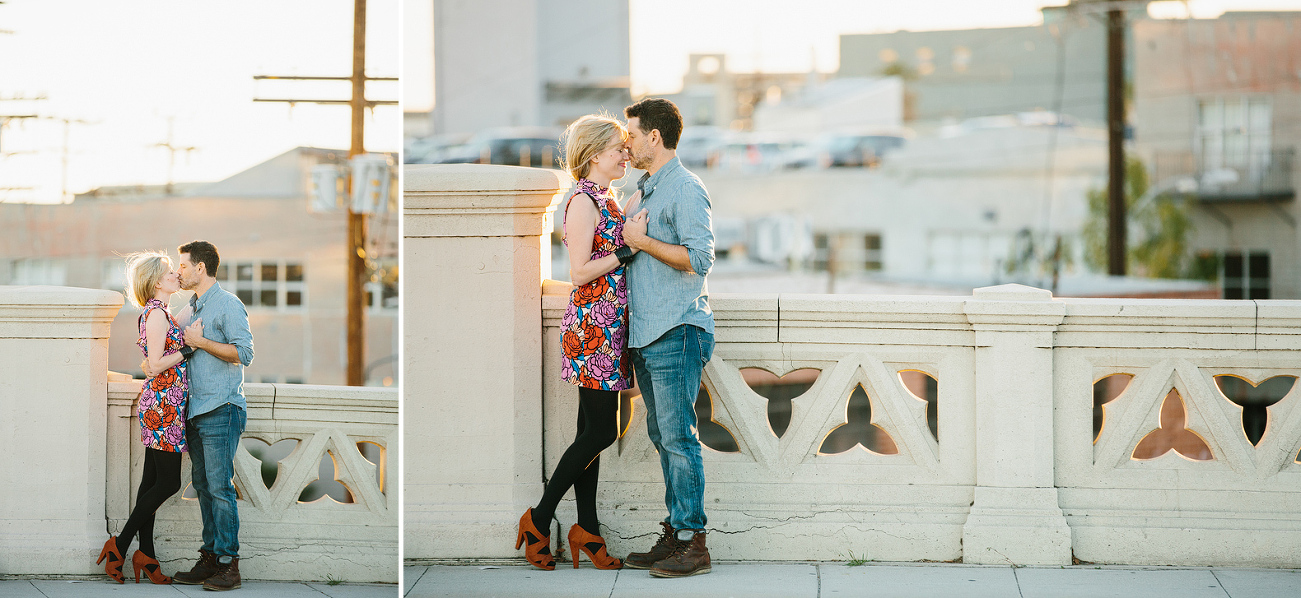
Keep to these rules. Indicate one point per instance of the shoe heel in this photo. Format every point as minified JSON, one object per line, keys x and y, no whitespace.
{"x":137,"y":569}
{"x":103,"y":554}
{"x":573,"y":551}
{"x":519,"y":540}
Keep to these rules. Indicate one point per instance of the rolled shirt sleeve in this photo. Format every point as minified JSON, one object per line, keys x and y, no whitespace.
{"x":238,"y":333}
{"x":694,"y":224}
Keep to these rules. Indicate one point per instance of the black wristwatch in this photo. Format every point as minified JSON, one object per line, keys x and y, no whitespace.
{"x":624,"y":254}
{"x":187,"y":351}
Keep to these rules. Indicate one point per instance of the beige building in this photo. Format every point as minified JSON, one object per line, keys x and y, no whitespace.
{"x":1217,"y":108}
{"x":284,"y":262}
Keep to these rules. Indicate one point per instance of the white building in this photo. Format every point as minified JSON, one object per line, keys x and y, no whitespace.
{"x":527,"y":62}
{"x":848,"y":104}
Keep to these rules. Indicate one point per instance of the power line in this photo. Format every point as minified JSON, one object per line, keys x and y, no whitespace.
{"x":356,"y":258}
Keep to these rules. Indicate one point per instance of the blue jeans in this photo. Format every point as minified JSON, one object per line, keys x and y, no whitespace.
{"x":213,"y":438}
{"x":668,"y":372}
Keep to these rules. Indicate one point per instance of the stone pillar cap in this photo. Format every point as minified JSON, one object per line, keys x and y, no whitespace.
{"x":51,"y":295}
{"x":1012,"y":292}
{"x":490,"y":178}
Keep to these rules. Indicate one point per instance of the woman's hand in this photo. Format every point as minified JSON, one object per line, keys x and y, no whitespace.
{"x":634,"y":229}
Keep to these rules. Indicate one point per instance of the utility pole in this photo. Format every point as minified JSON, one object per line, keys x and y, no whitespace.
{"x":1116,"y":142}
{"x":356,"y":297}
{"x":171,"y":152}
{"x":67,"y":134}
{"x":1114,"y":13}
{"x":357,"y":222}
{"x":5,"y":118}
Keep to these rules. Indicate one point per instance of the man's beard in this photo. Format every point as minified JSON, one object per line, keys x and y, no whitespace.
{"x":189,"y":285}
{"x":640,"y":162}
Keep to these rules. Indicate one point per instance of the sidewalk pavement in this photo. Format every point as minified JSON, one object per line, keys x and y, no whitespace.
{"x":838,"y":580}
{"x":94,"y":588}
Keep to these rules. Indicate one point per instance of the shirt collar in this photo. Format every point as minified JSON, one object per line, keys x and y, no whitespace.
{"x":647,"y":183}
{"x":195,"y":299}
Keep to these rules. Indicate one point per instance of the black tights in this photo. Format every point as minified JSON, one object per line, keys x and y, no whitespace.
{"x":598,"y":428}
{"x":162,"y":478}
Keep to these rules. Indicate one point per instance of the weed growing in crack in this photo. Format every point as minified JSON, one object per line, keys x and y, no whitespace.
{"x":854,"y":561}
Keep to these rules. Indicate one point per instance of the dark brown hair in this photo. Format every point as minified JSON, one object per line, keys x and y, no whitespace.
{"x":658,"y":113}
{"x":202,"y":252}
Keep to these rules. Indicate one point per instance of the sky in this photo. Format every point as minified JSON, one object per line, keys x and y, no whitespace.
{"x":121,"y":70}
{"x":771,"y":35}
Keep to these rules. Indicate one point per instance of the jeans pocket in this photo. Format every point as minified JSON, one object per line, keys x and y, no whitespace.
{"x":706,"y":341}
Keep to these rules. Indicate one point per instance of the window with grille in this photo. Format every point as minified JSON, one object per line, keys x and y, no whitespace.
{"x":1246,"y":275}
{"x":1234,"y":133}
{"x":265,"y":284}
{"x":39,"y":271}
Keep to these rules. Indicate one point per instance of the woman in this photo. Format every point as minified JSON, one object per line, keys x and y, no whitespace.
{"x":594,"y":337}
{"x":150,"y":282}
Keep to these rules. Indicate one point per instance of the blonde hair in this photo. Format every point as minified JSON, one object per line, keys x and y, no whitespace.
{"x":144,"y":270}
{"x":587,"y":137}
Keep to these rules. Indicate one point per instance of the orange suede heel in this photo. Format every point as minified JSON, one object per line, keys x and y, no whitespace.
{"x":536,"y":541}
{"x":113,"y":568}
{"x":594,"y":546}
{"x":153,"y":570}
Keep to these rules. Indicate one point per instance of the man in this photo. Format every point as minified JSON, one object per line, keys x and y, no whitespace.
{"x":671,"y":328}
{"x":221,"y":346}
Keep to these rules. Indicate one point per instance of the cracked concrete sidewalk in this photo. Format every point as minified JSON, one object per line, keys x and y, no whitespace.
{"x":821,"y":580}
{"x":94,"y":588}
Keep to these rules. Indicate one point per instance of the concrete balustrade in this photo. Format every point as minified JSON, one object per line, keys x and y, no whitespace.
{"x":1014,"y":475}
{"x":477,"y":238}
{"x":73,"y":458}
{"x":53,"y":405}
{"x":280,"y":537}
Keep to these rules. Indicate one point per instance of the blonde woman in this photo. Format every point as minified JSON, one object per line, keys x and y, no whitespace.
{"x":151,"y":280}
{"x":594,"y":337}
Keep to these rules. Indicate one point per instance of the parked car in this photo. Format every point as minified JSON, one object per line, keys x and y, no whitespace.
{"x":699,"y":146}
{"x":538,"y":147}
{"x":430,"y":150}
{"x":758,"y":152}
{"x":853,"y":150}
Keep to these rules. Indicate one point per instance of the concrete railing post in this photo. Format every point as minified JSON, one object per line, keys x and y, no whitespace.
{"x":1015,"y":517}
{"x":475,"y":254}
{"x":53,"y":420}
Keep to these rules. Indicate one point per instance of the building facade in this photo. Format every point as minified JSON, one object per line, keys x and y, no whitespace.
{"x":500,"y":63}
{"x":283,"y":261}
{"x":970,"y":73}
{"x":1217,"y":109}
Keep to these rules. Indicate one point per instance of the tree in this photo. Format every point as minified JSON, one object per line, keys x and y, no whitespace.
{"x":1164,"y":222}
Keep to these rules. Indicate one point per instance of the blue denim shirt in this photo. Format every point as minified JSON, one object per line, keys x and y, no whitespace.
{"x":214,"y":382}
{"x":661,"y":297}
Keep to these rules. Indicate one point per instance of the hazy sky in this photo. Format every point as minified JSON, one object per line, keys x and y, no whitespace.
{"x":773,"y":35}
{"x":128,"y":66}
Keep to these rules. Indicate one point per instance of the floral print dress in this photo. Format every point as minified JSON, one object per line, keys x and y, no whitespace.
{"x":163,"y":398}
{"x":594,"y":331}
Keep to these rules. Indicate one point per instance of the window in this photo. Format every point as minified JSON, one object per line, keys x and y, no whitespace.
{"x":40,"y":271}
{"x":112,"y":274}
{"x":821,"y":251}
{"x":382,"y":287}
{"x":1246,"y":275}
{"x":1234,"y":133}
{"x":264,"y":284}
{"x":872,"y":247}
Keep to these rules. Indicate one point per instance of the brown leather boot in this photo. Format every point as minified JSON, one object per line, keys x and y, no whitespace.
{"x":691,"y":557}
{"x":662,"y":549}
{"x":227,"y":577}
{"x":202,"y":570}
